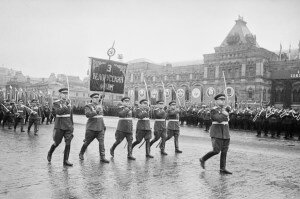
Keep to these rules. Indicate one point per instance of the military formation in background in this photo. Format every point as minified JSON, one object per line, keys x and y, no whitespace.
{"x":266,"y":121}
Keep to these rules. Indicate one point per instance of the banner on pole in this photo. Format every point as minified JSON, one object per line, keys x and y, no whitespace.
{"x":111,"y":71}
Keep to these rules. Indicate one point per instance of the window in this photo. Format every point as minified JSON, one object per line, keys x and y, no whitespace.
{"x":250,"y":93}
{"x":296,"y":95}
{"x":264,"y":95}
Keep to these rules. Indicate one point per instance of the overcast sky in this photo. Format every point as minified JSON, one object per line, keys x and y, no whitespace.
{"x":40,"y":37}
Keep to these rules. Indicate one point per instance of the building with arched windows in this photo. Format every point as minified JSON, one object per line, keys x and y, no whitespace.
{"x":255,"y":75}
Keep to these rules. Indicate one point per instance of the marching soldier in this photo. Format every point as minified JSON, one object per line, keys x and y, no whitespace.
{"x":143,"y":130}
{"x":8,"y":114}
{"x":63,"y":126}
{"x":95,"y":127}
{"x":173,"y":125}
{"x":34,"y":116}
{"x":124,"y":128}
{"x":20,"y":114}
{"x":46,"y":113}
{"x":160,"y":126}
{"x":219,"y":133}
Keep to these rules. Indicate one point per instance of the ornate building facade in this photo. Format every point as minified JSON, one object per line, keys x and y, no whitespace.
{"x":249,"y":70}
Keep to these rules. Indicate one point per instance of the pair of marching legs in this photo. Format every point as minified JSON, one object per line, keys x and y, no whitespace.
{"x":219,"y":145}
{"x":57,"y":137}
{"x":89,"y":137}
{"x":119,"y":138}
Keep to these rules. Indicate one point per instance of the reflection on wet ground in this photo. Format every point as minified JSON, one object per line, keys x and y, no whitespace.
{"x":263,"y":168}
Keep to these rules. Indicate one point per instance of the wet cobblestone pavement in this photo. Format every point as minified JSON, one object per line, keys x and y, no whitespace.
{"x":262,"y":168}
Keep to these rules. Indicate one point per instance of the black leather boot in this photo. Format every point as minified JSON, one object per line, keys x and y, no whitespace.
{"x":176,"y":145}
{"x":66,"y":156}
{"x":83,"y":148}
{"x":162,"y":146}
{"x":103,"y":159}
{"x":223,"y":164}
{"x":49,"y":156}
{"x":129,"y":150}
{"x":148,"y":155}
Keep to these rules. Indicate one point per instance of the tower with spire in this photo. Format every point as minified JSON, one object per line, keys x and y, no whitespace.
{"x":242,"y":61}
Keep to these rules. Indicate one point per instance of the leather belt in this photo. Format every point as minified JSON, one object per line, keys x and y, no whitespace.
{"x":20,"y":111}
{"x":224,"y":123}
{"x":125,"y":118}
{"x":146,"y":118}
{"x":66,"y":115}
{"x":173,"y":120}
{"x":162,"y":120}
{"x":98,"y":116}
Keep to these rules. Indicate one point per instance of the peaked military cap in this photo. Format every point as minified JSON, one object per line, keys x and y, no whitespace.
{"x":125,"y":98}
{"x":63,"y":90}
{"x":34,"y":100}
{"x":159,"y":101}
{"x":172,"y":102}
{"x":94,"y":95}
{"x":143,"y":100}
{"x":219,"y":95}
{"x":20,"y":100}
{"x":7,"y":100}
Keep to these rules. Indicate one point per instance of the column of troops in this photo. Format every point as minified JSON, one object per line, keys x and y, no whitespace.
{"x":33,"y":113}
{"x":265,"y":121}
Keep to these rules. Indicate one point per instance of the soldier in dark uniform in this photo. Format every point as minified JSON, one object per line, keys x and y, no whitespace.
{"x":6,"y":113}
{"x":219,"y":133}
{"x":20,"y":114}
{"x":173,"y":128}
{"x":95,"y":127}
{"x":46,"y":113}
{"x":63,"y":126}
{"x":9,"y":114}
{"x":52,"y":115}
{"x":272,"y":121}
{"x":232,"y":121}
{"x":34,"y":116}
{"x":124,"y":128}
{"x":160,"y":126}
{"x":258,"y":121}
{"x":239,"y":119}
{"x":207,"y":119}
{"x":287,"y":120}
{"x":143,"y":130}
{"x":200,"y":115}
{"x":182,"y":115}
